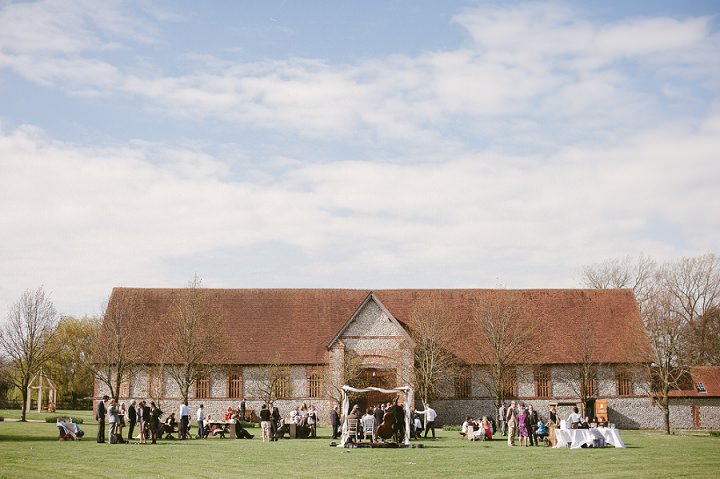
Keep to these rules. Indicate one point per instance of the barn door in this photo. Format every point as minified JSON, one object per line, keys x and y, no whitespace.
{"x":695,"y":411}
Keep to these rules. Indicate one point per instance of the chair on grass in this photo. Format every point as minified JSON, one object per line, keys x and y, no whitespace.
{"x":352,"y":428}
{"x":369,"y":427}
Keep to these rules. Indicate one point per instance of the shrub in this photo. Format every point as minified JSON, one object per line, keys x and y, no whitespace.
{"x":715,"y":433}
{"x":452,"y":427}
{"x":2,"y":419}
{"x":53,"y":419}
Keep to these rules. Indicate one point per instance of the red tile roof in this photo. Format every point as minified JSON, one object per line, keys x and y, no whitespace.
{"x":298,"y":324}
{"x":709,"y":376}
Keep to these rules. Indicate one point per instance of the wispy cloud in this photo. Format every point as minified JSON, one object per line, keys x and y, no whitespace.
{"x":555,"y":66}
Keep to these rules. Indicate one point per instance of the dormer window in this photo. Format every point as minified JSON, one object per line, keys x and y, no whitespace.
{"x":700,"y":387}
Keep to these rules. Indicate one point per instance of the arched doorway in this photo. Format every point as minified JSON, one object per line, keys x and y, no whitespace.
{"x":380,"y":378}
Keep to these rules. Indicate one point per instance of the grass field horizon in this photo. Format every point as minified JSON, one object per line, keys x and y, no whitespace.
{"x":32,"y":450}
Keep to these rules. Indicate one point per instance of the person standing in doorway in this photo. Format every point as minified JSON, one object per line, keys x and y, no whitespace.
{"x":100,"y":413}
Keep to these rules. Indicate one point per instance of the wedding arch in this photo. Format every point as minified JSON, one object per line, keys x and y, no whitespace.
{"x":346,"y":407}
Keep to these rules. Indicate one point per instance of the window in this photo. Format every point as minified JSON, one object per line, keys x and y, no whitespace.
{"x":281,"y":386}
{"x":235,"y":384}
{"x":155,"y":383}
{"x":700,"y":387}
{"x":463,"y":384}
{"x":543,"y":386}
{"x":509,"y":385}
{"x":314,"y":382}
{"x":592,"y":387}
{"x":125,"y":385}
{"x":624,"y":384}
{"x":202,"y":386}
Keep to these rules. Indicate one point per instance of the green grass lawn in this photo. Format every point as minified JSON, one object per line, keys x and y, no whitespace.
{"x":31,"y":450}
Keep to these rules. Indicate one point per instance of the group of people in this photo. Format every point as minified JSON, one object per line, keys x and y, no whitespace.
{"x":386,"y":419}
{"x":147,"y":418}
{"x":480,"y":429}
{"x":145,"y":415}
{"x":521,"y":421}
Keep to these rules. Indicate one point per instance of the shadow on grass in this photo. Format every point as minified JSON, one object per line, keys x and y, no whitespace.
{"x":15,"y":438}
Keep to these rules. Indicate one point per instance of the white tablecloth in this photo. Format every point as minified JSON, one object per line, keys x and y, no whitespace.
{"x":575,"y":438}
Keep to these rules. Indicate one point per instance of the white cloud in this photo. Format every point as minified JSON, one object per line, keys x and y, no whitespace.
{"x":553,"y":65}
{"x":82,"y":220}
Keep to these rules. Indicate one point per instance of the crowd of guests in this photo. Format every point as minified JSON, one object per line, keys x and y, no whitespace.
{"x":388,"y":418}
{"x":146,"y":418}
{"x":524,"y":422}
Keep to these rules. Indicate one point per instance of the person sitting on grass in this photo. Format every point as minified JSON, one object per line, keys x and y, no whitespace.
{"x":169,"y":427}
{"x":240,"y":432}
{"x":467,"y":425}
{"x":69,"y":429}
{"x":486,"y":427}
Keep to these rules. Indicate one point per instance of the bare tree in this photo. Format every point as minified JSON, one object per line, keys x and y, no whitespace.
{"x":27,"y":339}
{"x":118,"y":348}
{"x":637,"y":273}
{"x":509,"y":340}
{"x":272,"y":382}
{"x":351,"y":373}
{"x":702,"y":339}
{"x":583,"y":371}
{"x":673,"y":299}
{"x":694,"y":284}
{"x":434,"y":326}
{"x":158,"y":372}
{"x":665,"y":330}
{"x":194,"y":335}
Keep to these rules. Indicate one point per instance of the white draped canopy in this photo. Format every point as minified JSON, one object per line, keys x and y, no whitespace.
{"x":346,"y":407}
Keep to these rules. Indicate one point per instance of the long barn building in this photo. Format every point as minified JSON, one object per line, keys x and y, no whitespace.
{"x":315,"y":331}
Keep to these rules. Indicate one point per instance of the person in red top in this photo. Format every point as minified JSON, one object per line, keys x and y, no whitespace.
{"x":229,"y":413}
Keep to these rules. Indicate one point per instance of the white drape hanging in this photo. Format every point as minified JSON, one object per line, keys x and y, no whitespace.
{"x":346,"y":408}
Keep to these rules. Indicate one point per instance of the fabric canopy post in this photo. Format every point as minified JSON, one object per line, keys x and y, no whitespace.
{"x":346,"y":408}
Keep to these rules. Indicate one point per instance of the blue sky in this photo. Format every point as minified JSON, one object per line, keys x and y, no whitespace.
{"x":351,"y":144}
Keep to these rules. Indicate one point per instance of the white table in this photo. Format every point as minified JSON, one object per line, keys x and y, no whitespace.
{"x":574,"y":438}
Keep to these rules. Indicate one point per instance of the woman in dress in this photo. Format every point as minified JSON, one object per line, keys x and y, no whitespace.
{"x":523,"y":429}
{"x":141,"y":421}
{"x":485,"y":424}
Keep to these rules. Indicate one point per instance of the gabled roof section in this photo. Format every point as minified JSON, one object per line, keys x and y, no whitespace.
{"x":709,"y":376}
{"x":368,"y":298}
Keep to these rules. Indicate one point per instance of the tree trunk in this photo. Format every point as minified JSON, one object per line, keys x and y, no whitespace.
{"x":24,"y":403}
{"x":666,"y":417}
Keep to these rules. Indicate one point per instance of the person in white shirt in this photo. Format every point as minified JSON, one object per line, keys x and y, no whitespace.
{"x":430,"y":416}
{"x":201,"y":421}
{"x":574,"y":418}
{"x":184,"y":420}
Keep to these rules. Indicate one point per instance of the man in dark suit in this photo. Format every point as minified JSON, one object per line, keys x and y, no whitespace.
{"x":100,"y":413}
{"x":533,"y":420}
{"x":399,"y":415}
{"x":132,"y":419}
{"x":242,"y":410}
{"x":275,"y":422}
{"x":334,"y":421}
